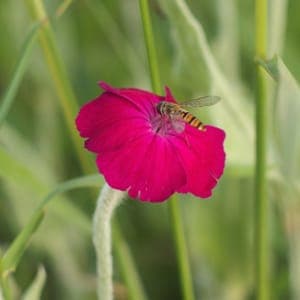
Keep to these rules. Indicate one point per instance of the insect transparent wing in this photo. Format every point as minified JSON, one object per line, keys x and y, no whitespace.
{"x":200,"y":102}
{"x":177,"y":123}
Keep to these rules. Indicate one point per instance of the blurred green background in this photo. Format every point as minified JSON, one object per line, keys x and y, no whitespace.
{"x":103,"y":40}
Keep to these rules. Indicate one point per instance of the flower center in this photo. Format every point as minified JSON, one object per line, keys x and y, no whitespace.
{"x":165,"y":125}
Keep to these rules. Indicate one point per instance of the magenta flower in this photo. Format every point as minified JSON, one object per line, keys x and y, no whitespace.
{"x":145,"y":152}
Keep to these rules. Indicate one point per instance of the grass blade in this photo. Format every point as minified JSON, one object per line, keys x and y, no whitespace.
{"x":287,"y":141}
{"x":12,"y":256}
{"x":286,"y":118}
{"x":227,"y":45}
{"x":133,"y":282}
{"x":261,"y":224}
{"x":278,"y":19}
{"x":35,"y":290}
{"x":182,"y":21}
{"x":80,"y":182}
{"x":23,"y":166}
{"x":63,"y":7}
{"x":20,"y":68}
{"x":14,"y":170}
{"x":59,"y":74}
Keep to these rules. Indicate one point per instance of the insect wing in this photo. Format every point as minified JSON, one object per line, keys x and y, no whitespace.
{"x":200,"y":102}
{"x":177,"y":123}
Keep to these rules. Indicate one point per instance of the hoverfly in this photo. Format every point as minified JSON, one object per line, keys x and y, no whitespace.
{"x":178,"y":110}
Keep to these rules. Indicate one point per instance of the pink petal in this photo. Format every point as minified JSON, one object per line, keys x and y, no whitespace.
{"x":202,"y":156}
{"x":105,"y":110}
{"x":143,"y":100}
{"x":169,"y":97}
{"x":118,"y":135}
{"x":148,"y":168}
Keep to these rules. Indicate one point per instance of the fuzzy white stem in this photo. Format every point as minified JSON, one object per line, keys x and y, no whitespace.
{"x":108,"y":200}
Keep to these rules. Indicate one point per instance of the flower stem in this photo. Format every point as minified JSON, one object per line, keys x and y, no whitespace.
{"x":261,"y":239}
{"x":181,"y":249}
{"x":150,"y":46}
{"x":174,"y":209}
{"x":108,"y":200}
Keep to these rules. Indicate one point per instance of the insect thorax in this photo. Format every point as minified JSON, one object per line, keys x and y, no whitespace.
{"x":166,"y":108}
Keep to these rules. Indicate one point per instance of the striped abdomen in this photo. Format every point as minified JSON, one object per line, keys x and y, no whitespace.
{"x":189,"y":118}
